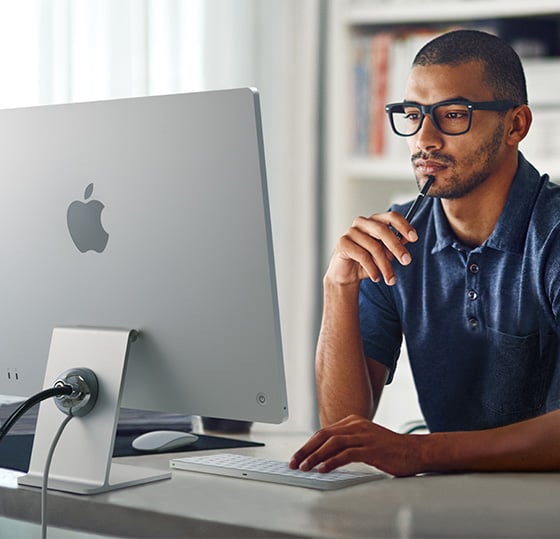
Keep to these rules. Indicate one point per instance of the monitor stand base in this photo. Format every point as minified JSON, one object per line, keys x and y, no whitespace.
{"x":82,"y":461}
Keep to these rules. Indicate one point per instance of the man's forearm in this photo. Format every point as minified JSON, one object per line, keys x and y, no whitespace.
{"x":343,"y":382}
{"x":528,"y":446}
{"x":532,"y":445}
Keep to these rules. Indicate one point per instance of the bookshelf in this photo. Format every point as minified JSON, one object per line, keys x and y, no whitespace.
{"x":366,"y":177}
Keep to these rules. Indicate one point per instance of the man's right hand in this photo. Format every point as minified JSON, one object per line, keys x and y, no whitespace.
{"x":368,"y":248}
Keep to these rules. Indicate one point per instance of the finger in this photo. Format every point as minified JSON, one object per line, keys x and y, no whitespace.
{"x":367,"y":252}
{"x":371,"y":253}
{"x":379,"y":229}
{"x":335,"y":444}
{"x":328,"y":453}
{"x":342,"y":458}
{"x":318,"y":440}
{"x":307,"y":449}
{"x":391,"y":223}
{"x":400,"y":225}
{"x":328,"y":439}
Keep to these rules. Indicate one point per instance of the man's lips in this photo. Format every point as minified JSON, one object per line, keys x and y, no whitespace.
{"x":429,"y":167}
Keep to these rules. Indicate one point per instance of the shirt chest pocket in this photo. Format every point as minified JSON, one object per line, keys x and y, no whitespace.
{"x":517,"y":374}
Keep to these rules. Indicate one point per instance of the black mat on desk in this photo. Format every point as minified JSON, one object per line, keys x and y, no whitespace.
{"x":15,"y":449}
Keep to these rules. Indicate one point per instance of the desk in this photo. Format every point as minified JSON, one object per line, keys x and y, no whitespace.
{"x":199,"y":505}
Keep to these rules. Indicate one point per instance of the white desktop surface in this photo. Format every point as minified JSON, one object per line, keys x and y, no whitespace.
{"x":200,"y":505}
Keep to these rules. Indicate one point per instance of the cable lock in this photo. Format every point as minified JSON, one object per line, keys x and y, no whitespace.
{"x":83,"y":397}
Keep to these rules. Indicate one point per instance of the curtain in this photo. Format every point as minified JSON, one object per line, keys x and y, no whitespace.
{"x":98,"y":49}
{"x":19,"y":63}
{"x":54,"y":51}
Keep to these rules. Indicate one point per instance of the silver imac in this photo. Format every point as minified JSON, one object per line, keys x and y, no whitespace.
{"x":144,"y":216}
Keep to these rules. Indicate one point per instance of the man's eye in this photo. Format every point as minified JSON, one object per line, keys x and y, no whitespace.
{"x":412,"y":116}
{"x":455,"y":115}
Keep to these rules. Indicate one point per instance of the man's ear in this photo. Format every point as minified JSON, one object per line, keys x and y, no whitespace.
{"x":520,"y":122}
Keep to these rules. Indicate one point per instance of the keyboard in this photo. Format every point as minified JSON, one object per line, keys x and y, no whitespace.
{"x":273,"y":471}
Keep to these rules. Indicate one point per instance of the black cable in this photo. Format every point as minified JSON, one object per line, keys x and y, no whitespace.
{"x":30,"y":402}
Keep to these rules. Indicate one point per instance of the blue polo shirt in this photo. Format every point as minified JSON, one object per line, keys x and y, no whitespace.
{"x":481,"y":325}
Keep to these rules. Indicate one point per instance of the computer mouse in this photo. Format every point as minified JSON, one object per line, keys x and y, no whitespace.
{"x":163,"y":440}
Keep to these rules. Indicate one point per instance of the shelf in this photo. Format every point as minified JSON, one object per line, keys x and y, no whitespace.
{"x":364,"y":12}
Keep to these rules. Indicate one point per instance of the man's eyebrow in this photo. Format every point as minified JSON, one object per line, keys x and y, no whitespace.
{"x":458,"y":98}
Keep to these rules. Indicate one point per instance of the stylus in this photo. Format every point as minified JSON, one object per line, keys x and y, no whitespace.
{"x":419,"y":199}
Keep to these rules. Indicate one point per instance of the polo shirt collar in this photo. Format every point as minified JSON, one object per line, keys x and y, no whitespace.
{"x":509,"y":233}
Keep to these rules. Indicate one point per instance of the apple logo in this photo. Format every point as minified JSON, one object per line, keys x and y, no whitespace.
{"x":84,"y":223}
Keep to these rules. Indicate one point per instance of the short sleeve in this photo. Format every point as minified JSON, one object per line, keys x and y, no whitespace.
{"x":380,"y":325}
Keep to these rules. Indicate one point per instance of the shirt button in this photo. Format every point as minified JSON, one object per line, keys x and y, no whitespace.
{"x":474,"y":268}
{"x":473,"y":323}
{"x":472,"y":294}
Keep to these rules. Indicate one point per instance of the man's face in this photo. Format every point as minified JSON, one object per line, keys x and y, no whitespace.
{"x":459,"y":163}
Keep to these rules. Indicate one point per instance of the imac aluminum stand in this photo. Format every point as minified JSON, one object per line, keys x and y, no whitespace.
{"x":82,"y":460}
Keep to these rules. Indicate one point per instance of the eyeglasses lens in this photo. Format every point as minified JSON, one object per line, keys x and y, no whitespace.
{"x":451,"y":119}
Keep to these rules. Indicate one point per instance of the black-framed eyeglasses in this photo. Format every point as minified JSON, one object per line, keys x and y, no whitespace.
{"x":450,"y":117}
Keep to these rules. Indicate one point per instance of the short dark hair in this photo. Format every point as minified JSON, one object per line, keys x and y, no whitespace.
{"x":503,"y":71}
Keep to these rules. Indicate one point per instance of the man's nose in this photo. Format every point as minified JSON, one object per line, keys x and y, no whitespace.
{"x":429,"y":138}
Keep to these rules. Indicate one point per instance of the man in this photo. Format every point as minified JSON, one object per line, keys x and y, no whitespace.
{"x":474,"y":285}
